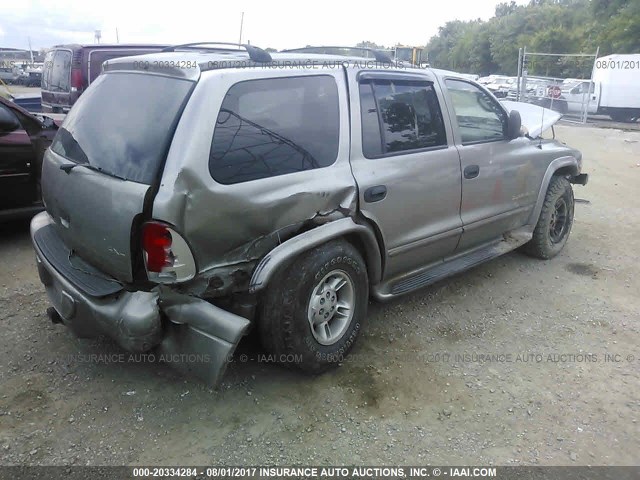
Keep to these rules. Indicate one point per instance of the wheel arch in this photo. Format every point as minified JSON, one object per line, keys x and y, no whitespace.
{"x":361,"y":236}
{"x":568,"y":166}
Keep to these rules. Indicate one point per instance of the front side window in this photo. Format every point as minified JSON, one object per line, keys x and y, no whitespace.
{"x":399,"y":116}
{"x":586,"y":87}
{"x":276,"y":126}
{"x":480,"y":117}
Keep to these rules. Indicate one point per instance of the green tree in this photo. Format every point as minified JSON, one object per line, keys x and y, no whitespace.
{"x":548,"y":26}
{"x":368,"y":44}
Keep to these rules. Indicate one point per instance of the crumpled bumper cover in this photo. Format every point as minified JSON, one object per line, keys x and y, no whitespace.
{"x":197,"y":336}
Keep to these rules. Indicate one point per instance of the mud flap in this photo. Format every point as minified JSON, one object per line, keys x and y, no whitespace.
{"x":200,"y":338}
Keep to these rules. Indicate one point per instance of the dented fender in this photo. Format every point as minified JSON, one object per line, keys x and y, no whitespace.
{"x":230,"y":227}
{"x":287,"y":251}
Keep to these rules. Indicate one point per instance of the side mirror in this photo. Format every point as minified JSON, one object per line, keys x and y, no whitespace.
{"x":575,"y":91}
{"x":8,"y":121}
{"x":514,"y":125}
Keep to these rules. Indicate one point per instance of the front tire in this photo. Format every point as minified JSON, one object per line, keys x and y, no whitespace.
{"x":314,"y":308}
{"x":555,"y":221}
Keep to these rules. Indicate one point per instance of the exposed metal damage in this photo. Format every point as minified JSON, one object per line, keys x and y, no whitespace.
{"x":227,"y":262}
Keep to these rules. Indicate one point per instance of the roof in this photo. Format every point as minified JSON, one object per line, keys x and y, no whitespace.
{"x":111,"y":45}
{"x":182,"y":63}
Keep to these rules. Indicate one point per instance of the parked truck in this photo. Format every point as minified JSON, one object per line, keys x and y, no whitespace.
{"x":614,"y":91}
{"x":617,"y":87}
{"x":412,"y":55}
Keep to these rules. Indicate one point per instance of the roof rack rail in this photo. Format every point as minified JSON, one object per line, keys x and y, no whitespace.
{"x":381,"y":57}
{"x":255,"y":53}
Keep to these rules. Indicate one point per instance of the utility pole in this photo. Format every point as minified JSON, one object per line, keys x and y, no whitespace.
{"x":519,"y":89}
{"x":241,"y":23}
{"x":117,"y":37}
{"x":30,"y":51}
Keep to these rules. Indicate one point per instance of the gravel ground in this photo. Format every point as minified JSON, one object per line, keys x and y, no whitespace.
{"x":416,"y":390}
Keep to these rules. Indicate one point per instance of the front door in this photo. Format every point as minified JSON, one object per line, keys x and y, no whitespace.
{"x":579,"y":95}
{"x":500,"y":178}
{"x":406,"y":167}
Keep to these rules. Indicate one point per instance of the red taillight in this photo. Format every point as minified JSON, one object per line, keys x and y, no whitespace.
{"x":156,"y":242}
{"x":76,"y":79}
{"x":167,"y":256}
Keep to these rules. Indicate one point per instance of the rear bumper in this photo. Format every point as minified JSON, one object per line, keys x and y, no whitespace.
{"x":193,"y":335}
{"x":48,"y":108}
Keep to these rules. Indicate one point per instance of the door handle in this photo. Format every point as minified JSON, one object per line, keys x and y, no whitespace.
{"x":471,"y":171}
{"x":375,"y":194}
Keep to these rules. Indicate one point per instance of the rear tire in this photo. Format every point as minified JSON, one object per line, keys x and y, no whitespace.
{"x":624,"y":117}
{"x":314,"y":308}
{"x":555,"y":221}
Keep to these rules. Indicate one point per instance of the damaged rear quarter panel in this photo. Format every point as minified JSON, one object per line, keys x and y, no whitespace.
{"x":238,"y":224}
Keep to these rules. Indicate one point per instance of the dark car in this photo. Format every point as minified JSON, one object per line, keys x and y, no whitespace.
{"x":24,"y":137}
{"x":70,"y":69}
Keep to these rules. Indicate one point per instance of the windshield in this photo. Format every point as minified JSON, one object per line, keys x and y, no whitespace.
{"x":570,"y":85}
{"x":123,"y":123}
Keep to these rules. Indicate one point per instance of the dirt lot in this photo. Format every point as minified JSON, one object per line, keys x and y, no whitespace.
{"x":414,"y":392}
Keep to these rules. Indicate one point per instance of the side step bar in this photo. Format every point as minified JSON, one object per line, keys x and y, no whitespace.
{"x":451,"y":266}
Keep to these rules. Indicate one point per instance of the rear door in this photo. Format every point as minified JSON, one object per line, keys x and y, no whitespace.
{"x":406,"y":167}
{"x":104,"y":160}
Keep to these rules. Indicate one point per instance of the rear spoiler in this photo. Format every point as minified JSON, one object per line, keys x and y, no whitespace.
{"x":168,"y":64}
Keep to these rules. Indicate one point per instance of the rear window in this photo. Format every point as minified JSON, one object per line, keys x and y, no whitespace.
{"x":274,"y":127}
{"x":123,"y":123}
{"x":57,"y":75}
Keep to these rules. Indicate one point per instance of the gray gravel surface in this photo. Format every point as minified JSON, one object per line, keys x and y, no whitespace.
{"x":415,"y":391}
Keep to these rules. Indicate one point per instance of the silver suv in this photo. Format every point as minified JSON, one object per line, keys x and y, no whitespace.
{"x":196,"y":193}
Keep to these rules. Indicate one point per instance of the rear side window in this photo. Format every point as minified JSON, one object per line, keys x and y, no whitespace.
{"x":123,"y":124}
{"x":273,"y":127}
{"x":400,"y":116}
{"x":57,"y":71}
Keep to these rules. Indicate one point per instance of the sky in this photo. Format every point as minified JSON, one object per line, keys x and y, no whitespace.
{"x":276,"y":24}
